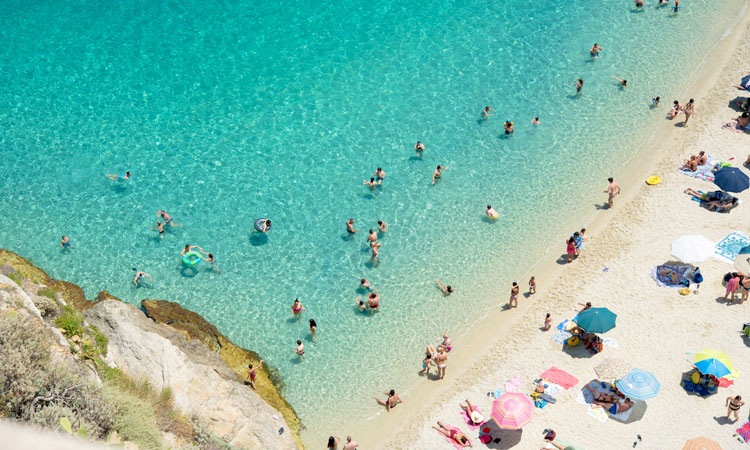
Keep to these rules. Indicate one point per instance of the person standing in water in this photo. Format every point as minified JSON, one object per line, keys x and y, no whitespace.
{"x":372,"y":183}
{"x":160,"y":227}
{"x":513,"y":302}
{"x":313,"y":328}
{"x":491,"y":213}
{"x":613,"y":189}
{"x":167,"y":218}
{"x":438,"y":173}
{"x":297,"y":307}
{"x":350,"y":226}
{"x":138,"y":276}
{"x":300,"y":349}
{"x":364,"y":284}
{"x":486,"y":113}
{"x":251,"y":373}
{"x":579,"y":84}
{"x":210,"y":258}
{"x":688,"y":110}
{"x":372,"y":237}
{"x":382,"y":226}
{"x":595,"y":50}
{"x":379,"y":175}
{"x":65,"y":243}
{"x":419,"y":148}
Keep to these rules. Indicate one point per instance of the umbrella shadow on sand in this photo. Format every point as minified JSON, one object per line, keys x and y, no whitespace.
{"x":501,"y":439}
{"x":703,"y":393}
{"x":579,"y":351}
{"x":735,"y":104}
{"x":639,"y":409}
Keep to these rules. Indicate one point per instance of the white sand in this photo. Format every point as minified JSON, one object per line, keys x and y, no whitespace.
{"x":655,"y":327}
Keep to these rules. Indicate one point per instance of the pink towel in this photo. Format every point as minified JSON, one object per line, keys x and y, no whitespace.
{"x":455,"y":444}
{"x":560,"y":377}
{"x":468,"y":420}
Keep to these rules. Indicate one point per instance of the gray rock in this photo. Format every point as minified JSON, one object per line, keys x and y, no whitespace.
{"x":202,"y":385}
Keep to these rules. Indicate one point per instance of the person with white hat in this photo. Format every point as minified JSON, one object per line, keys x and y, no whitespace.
{"x":475,"y":417}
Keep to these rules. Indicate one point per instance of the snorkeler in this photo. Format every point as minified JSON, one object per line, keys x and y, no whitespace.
{"x":119,"y":177}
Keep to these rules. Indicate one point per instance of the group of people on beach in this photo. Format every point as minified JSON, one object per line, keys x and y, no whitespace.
{"x":574,"y":245}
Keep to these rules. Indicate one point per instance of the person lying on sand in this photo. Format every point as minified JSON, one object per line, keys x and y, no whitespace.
{"x":671,"y":274}
{"x":722,"y":205}
{"x":616,"y":407}
{"x":702,"y":158}
{"x":454,"y":434}
{"x":738,"y":123}
{"x":601,"y":397}
{"x":691,"y":164}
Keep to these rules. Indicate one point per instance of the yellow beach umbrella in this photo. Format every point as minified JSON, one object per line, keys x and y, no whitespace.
{"x":714,"y":354}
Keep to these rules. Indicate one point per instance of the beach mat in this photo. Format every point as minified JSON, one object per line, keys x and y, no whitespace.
{"x":451,"y":441}
{"x":585,"y":397}
{"x":705,"y":171}
{"x":744,"y":431}
{"x":703,"y":202}
{"x":730,"y":245}
{"x":664,"y":281}
{"x":559,"y":377}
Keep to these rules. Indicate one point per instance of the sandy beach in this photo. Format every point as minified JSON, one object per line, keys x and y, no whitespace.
{"x":657,"y":328}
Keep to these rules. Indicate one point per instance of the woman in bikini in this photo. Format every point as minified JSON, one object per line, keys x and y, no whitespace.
{"x":688,"y":110}
{"x":745,"y":285}
{"x":675,"y":110}
{"x":513,"y":301}
{"x":447,"y":290}
{"x":427,"y":362}
{"x":733,"y":406}
{"x":454,"y":434}
{"x":297,"y":307}
{"x":691,"y":164}
{"x":447,"y":344}
{"x":475,"y":417}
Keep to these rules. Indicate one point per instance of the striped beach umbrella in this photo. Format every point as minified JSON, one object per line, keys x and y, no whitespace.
{"x":742,"y":261}
{"x":701,"y":443}
{"x":612,"y":369}
{"x":638,"y":385}
{"x":713,"y":362}
{"x":512,"y":410}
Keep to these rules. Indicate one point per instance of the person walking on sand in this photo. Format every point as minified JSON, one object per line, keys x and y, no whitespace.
{"x":299,"y":350}
{"x":547,"y":322}
{"x":613,"y":190}
{"x":688,"y":111}
{"x":138,"y":276}
{"x":513,"y":302}
{"x":532,"y":286}
{"x":391,"y":402}
{"x":733,"y":406}
{"x":595,"y":50}
{"x":579,"y":84}
{"x":251,"y":373}
{"x":350,"y":226}
{"x":486,"y":113}
{"x":333,"y":443}
{"x":732,"y":285}
{"x":441,"y":360}
{"x":438,"y":173}
{"x":570,"y":250}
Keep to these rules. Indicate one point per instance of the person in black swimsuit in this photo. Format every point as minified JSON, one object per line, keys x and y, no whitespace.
{"x":733,"y":406}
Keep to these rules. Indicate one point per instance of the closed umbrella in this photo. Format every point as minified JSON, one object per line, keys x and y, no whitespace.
{"x":742,"y":261}
{"x":692,"y":248}
{"x":512,"y":410}
{"x":731,"y":179}
{"x":701,"y":443}
{"x":597,"y":320}
{"x":713,"y":362}
{"x":612,"y":369}
{"x":639,"y":385}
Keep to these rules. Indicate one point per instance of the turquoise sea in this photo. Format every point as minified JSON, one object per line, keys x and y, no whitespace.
{"x":233,"y":110}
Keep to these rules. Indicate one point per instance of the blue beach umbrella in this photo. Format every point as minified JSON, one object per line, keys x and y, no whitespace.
{"x":731,"y":179}
{"x":597,"y":320}
{"x":638,"y":385}
{"x":745,"y":82}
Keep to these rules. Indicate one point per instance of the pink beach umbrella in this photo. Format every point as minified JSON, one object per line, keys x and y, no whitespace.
{"x":512,"y":410}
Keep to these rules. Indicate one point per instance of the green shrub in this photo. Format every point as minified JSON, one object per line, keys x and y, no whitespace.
{"x":71,"y":322}
{"x":101,"y":341}
{"x":134,"y":418}
{"x":47,"y":292}
{"x":16,"y":277}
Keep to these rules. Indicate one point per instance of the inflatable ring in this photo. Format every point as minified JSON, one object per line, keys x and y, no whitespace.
{"x":191,"y":258}
{"x":653,"y":180}
{"x":259,"y":224}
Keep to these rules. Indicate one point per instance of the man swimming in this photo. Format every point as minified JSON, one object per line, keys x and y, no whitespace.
{"x":486,"y":113}
{"x":138,"y":276}
{"x":167,"y":218}
{"x":372,"y":183}
{"x":119,"y":177}
{"x":623,"y":83}
{"x":595,"y":50}
{"x":350,"y":226}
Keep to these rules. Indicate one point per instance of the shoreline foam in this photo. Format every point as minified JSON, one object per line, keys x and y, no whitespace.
{"x":426,"y":398}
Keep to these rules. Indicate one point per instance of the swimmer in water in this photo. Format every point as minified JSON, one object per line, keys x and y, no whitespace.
{"x":297,"y":307}
{"x":372,"y":237}
{"x":265,"y":226}
{"x":438,"y":173}
{"x":138,"y":276}
{"x":486,"y":113}
{"x":508,"y":125}
{"x":350,"y":226}
{"x":638,"y":3}
{"x":375,"y":249}
{"x":65,"y":243}
{"x":364,"y":284}
{"x":313,"y":328}
{"x":300,"y":349}
{"x":579,"y":84}
{"x":189,"y":248}
{"x":663,"y":2}
{"x":655,"y":101}
{"x":210,"y":258}
{"x":372,"y":183}
{"x":159,"y":226}
{"x":676,"y":7}
{"x":491,"y":213}
{"x":119,"y":177}
{"x":251,"y":373}
{"x":447,"y":290}
{"x":360,"y":304}
{"x":535,"y":122}
{"x":167,"y":218}
{"x":379,"y":175}
{"x":382,"y":226}
{"x":419,"y":147}
{"x":595,"y":50}
{"x":623,"y":83}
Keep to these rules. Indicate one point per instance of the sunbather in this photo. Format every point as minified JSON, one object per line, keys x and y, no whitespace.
{"x":617,"y":407}
{"x":697,"y":194}
{"x":722,"y":205}
{"x":691,"y":164}
{"x":475,"y":417}
{"x":454,"y":434}
{"x":702,"y":158}
{"x":601,"y":397}
{"x":671,"y":274}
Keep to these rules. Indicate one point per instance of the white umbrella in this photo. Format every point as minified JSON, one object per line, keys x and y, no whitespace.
{"x":692,"y":248}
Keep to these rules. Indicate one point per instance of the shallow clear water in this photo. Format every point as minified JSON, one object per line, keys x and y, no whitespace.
{"x":230,"y":111}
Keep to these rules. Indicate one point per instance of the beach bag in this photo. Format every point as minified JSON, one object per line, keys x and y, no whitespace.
{"x":695,"y":378}
{"x":572,"y":342}
{"x":746,"y":329}
{"x":697,"y":277}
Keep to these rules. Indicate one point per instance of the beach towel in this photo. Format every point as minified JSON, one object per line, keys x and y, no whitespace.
{"x":705,"y":171}
{"x":730,"y":245}
{"x":609,"y":342}
{"x":450,"y":427}
{"x":468,"y":420}
{"x":587,"y":398}
{"x":561,"y":337}
{"x":559,"y":377}
{"x":744,"y":431}
{"x":513,"y":384}
{"x":567,"y":324}
{"x":666,"y":281}
{"x":733,"y":126}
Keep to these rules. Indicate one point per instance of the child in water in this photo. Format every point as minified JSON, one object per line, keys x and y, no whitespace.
{"x":508,"y":125}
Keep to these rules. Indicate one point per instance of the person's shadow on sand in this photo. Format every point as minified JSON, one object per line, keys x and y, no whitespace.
{"x":602,"y":206}
{"x":722,"y":420}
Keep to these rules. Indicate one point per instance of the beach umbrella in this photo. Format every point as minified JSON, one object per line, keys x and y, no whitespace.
{"x":731,"y":179}
{"x":638,"y":385}
{"x":512,"y":410}
{"x":701,"y":443}
{"x":612,"y":369}
{"x":692,"y":248}
{"x":745,"y":82}
{"x":742,"y":261}
{"x":713,"y":362}
{"x":597,"y":320}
